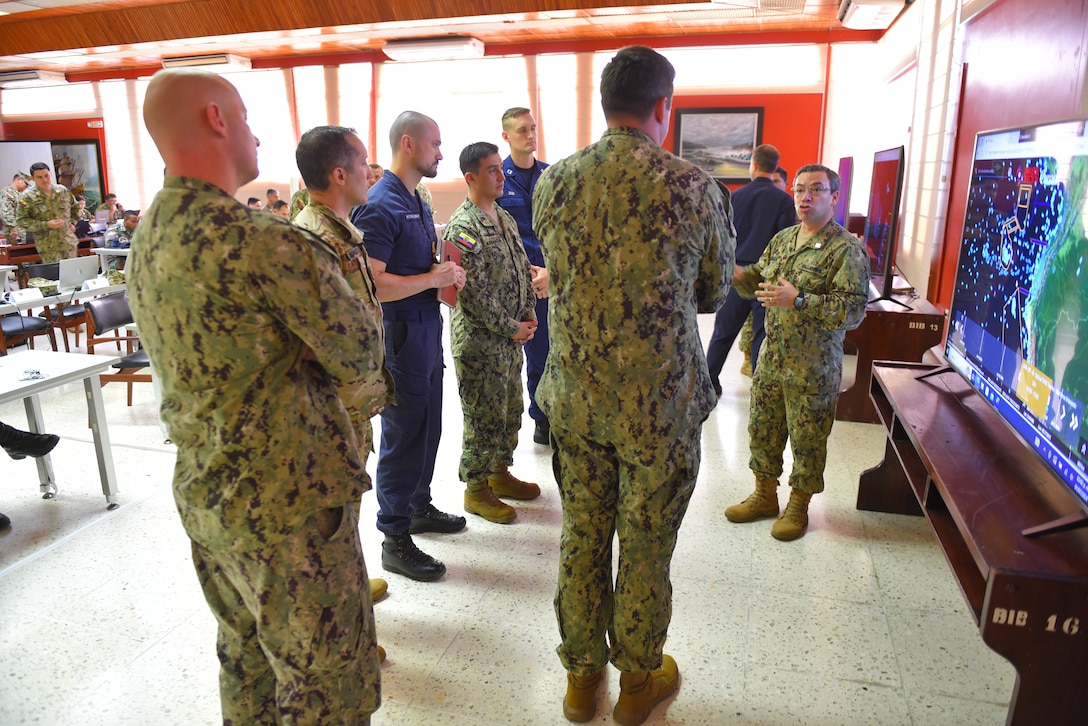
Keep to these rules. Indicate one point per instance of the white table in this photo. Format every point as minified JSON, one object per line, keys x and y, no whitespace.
{"x":106,"y":252}
{"x":61,"y":368}
{"x":64,"y":298}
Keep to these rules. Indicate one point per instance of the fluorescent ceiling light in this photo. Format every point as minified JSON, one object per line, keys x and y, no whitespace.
{"x":218,"y":62}
{"x":432,"y":49}
{"x":22,"y":79}
{"x":869,"y":14}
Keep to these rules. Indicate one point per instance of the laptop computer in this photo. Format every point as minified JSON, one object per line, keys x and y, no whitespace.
{"x":75,"y":271}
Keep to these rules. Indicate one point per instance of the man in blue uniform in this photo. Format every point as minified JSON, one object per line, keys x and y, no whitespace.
{"x":760,"y":211}
{"x":521,"y":170}
{"x":398,"y":231}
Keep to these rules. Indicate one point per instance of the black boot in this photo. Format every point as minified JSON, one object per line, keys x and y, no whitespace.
{"x":21,"y":444}
{"x":4,"y":521}
{"x":542,"y":432}
{"x":400,"y":555}
{"x":432,"y":519}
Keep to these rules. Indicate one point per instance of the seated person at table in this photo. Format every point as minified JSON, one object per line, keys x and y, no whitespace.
{"x":111,"y":205}
{"x":119,"y":235}
{"x":83,"y":213}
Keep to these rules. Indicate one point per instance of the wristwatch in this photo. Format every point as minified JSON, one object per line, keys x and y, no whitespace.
{"x":799,"y":301}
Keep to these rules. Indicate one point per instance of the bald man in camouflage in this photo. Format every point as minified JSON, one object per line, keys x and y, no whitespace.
{"x":252,"y":329}
{"x":637,"y":242}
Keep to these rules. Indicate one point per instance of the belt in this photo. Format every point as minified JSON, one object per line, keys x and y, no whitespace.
{"x":411,"y":316}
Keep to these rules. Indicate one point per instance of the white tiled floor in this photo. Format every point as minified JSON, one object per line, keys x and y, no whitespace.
{"x":859,"y":622}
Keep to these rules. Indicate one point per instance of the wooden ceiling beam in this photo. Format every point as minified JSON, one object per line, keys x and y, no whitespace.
{"x":121,"y":23}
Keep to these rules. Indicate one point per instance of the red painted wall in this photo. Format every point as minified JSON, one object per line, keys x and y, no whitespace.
{"x":69,"y":129}
{"x":1025,"y":64}
{"x":791,"y":122}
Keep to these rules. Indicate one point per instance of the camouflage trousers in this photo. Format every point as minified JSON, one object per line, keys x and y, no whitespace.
{"x":54,"y":246}
{"x":490,"y":388}
{"x":747,"y":335}
{"x":639,"y":492}
{"x":296,"y":637}
{"x":779,"y":412}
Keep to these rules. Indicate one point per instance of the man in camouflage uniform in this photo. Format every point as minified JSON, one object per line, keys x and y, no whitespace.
{"x":299,"y":200}
{"x":111,"y":205}
{"x":813,"y":278}
{"x":9,"y":207}
{"x":332,"y":160}
{"x":49,"y":211}
{"x":637,"y":242}
{"x":252,"y":330}
{"x":494,"y":316}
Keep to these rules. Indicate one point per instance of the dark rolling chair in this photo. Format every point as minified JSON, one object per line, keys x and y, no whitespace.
{"x":18,"y":328}
{"x":106,"y":318}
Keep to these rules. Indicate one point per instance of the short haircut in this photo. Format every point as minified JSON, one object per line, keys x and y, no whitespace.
{"x":832,"y":177}
{"x":38,"y":166}
{"x":322,"y":149}
{"x":18,"y":176}
{"x":634,"y":80}
{"x":376,"y":167}
{"x":765,"y":158}
{"x":279,"y":204}
{"x":512,"y":113}
{"x":79,"y":198}
{"x":782,"y":173}
{"x":109,"y":197}
{"x":473,"y":154}
{"x":130,"y":213}
{"x":251,"y":200}
{"x":270,"y":192}
{"x":411,"y":123}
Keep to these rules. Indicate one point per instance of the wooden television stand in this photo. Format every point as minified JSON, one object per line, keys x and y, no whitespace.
{"x":950,"y":457}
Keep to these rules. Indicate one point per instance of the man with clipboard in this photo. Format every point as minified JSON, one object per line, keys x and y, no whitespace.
{"x":398,"y":231}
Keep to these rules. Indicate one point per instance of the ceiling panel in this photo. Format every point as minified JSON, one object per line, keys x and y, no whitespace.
{"x":84,"y":36}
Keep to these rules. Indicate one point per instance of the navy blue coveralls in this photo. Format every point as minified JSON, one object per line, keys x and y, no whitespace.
{"x":518,"y":201}
{"x":398,"y":229}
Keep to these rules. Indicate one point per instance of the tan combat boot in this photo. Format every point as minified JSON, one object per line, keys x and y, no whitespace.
{"x":479,"y":499}
{"x":378,"y":588}
{"x":763,"y":502}
{"x":640,"y":691}
{"x":746,"y":366}
{"x":794,"y":520}
{"x":505,"y":484}
{"x":580,"y":703}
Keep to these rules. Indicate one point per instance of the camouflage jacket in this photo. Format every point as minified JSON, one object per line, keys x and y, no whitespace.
{"x":124,"y":236}
{"x":115,"y":214}
{"x":637,"y":241}
{"x":498,"y":294}
{"x":9,"y":208}
{"x":35,"y":209}
{"x":804,"y":347}
{"x":251,"y":327}
{"x":298,"y":202}
{"x":374,"y":392}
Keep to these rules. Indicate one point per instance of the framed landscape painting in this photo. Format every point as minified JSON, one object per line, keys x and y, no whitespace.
{"x":719,"y":140}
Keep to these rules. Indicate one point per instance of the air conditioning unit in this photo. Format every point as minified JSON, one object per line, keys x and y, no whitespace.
{"x":869,"y":14}
{"x":434,"y":49}
{"x":22,"y":79}
{"x":217,"y":62}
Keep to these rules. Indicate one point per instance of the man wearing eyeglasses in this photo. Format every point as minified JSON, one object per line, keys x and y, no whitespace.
{"x":813,"y":281}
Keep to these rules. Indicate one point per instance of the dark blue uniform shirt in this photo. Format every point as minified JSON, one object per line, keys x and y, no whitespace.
{"x":398,"y":229}
{"x":517,"y":199}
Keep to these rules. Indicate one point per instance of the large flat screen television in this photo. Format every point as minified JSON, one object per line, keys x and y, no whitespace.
{"x":1021,"y":292}
{"x":846,"y":177}
{"x":882,"y":222}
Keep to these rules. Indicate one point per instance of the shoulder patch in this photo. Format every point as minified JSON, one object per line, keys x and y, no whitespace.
{"x":464,"y":241}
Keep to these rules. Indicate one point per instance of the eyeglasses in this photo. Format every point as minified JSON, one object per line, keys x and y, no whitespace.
{"x":814,"y":190}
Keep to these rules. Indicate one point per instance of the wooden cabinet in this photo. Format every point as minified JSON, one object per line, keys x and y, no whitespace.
{"x":901,"y":330}
{"x":950,"y":457}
